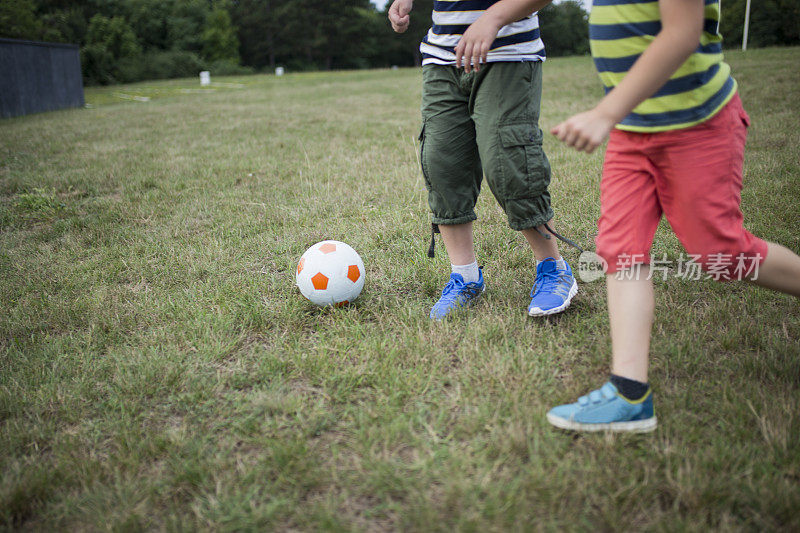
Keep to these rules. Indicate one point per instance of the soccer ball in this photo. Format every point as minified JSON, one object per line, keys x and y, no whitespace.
{"x":330,"y":273}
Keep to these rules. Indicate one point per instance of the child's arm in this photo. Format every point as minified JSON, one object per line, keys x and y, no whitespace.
{"x":399,"y":15}
{"x":681,"y":28}
{"x":474,"y":44}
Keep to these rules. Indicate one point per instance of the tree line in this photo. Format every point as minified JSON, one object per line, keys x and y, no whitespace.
{"x":131,"y":40}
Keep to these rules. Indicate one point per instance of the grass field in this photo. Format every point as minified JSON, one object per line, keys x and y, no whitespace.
{"x":159,"y":370}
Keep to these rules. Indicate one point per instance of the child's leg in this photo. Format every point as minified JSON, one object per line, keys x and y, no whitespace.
{"x":458,"y":242}
{"x":466,"y":279}
{"x":780,"y":271}
{"x":542,"y":247}
{"x":625,"y":402}
{"x":452,"y":171}
{"x":505,"y":108}
{"x":630,"y":213}
{"x":630,"y":312}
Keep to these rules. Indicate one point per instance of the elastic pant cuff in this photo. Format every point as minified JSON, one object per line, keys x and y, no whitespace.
{"x":463,"y":219}
{"x":532,"y":222}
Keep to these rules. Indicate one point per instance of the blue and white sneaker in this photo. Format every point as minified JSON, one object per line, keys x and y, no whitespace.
{"x":606,"y":409}
{"x":457,"y":294}
{"x":553,"y":289}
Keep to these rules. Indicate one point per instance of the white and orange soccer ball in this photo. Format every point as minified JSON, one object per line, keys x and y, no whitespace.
{"x":330,"y":273}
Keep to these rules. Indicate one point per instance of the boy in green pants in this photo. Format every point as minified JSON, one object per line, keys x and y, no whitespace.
{"x":483,"y":119}
{"x":677,"y":149}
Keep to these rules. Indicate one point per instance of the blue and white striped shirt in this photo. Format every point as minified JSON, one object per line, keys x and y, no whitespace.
{"x":518,"y":41}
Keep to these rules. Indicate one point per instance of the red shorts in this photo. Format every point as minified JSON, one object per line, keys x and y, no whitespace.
{"x":694,"y":177}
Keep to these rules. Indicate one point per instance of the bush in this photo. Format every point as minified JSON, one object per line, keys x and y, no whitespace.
{"x":171,"y":64}
{"x":100,"y":67}
{"x":227,"y":67}
{"x":297,"y":64}
{"x":159,"y":65}
{"x":97,"y":64}
{"x":110,"y":45}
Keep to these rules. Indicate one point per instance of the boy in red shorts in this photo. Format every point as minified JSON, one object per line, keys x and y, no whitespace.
{"x":676,"y":148}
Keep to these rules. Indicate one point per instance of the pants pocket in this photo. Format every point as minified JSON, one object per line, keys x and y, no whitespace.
{"x":524,"y":167}
{"x":744,"y":117}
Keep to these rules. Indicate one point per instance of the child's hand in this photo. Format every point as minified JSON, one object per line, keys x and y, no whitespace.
{"x":584,"y":131}
{"x":399,"y":15}
{"x":474,"y":44}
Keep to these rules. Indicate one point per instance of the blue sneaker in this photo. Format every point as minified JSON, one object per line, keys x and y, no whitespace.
{"x":606,"y":409}
{"x":553,"y":289}
{"x":457,"y":294}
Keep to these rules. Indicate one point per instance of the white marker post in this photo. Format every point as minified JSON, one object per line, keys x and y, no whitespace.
{"x":746,"y":25}
{"x":205,"y":78}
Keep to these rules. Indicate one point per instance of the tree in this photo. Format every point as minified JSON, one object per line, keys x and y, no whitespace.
{"x":374,"y":41}
{"x":262,"y":31}
{"x":185,"y":25}
{"x":149,"y":20}
{"x":305,"y":34}
{"x":403,"y":48}
{"x":108,"y":41}
{"x":317,"y":28}
{"x":345,"y":33}
{"x":68,"y":25}
{"x":772,"y":22}
{"x":565,"y":29}
{"x":219,"y":37}
{"x":18,"y":20}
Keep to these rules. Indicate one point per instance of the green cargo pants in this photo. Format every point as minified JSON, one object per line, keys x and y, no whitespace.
{"x":484,"y":123}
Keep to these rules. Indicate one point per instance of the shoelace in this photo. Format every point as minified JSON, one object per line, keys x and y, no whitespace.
{"x":456,"y":288}
{"x":545,"y":279}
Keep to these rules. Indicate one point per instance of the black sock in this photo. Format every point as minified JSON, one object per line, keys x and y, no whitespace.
{"x":630,"y":388}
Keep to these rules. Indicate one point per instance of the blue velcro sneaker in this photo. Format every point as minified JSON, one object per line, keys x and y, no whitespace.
{"x":606,"y":409}
{"x":457,"y":294}
{"x":553,"y":290}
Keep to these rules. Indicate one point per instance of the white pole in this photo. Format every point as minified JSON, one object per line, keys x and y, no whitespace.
{"x":746,"y":25}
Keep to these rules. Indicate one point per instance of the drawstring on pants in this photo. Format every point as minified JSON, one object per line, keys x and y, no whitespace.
{"x":561,"y":238}
{"x":434,"y":231}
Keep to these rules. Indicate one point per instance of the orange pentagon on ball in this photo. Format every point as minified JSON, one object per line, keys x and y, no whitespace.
{"x":320,"y":281}
{"x":353,"y":273}
{"x":327,"y":248}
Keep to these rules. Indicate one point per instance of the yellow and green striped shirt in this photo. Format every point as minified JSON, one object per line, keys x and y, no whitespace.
{"x":620,"y":30}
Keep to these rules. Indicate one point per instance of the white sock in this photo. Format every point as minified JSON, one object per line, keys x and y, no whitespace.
{"x":468,"y":272}
{"x":560,"y":264}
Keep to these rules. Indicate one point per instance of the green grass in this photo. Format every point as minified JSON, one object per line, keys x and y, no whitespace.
{"x":160,"y":370}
